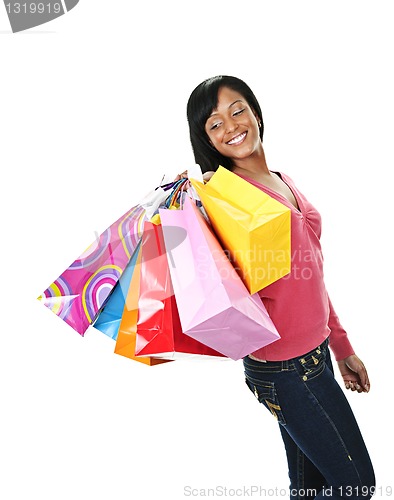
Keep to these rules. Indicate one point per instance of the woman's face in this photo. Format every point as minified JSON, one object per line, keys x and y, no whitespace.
{"x":233,"y":127}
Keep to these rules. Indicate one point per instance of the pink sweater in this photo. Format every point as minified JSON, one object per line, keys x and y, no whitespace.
{"x":298,"y":303}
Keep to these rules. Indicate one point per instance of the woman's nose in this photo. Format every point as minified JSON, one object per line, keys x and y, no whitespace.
{"x":231,"y":125}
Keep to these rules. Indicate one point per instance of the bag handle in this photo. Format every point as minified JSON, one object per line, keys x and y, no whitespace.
{"x":178,"y":187}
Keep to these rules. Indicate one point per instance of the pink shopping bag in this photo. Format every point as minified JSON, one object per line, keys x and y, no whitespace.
{"x":214,"y":305}
{"x":158,"y":328}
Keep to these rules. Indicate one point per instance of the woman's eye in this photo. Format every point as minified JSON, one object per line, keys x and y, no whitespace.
{"x":215,"y":125}
{"x":236,"y":113}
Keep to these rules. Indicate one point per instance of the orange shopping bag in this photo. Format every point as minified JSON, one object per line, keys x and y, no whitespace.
{"x":126,"y":339}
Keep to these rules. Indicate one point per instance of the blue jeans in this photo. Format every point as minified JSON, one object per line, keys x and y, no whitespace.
{"x":325,"y":451}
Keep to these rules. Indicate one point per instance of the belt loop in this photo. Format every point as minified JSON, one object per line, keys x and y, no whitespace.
{"x":285,"y":365}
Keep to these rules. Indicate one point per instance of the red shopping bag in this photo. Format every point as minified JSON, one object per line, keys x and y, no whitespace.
{"x":127,"y":333}
{"x":159,"y":331}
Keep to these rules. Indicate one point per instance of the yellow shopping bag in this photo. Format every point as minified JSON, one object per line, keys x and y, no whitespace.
{"x":253,"y":227}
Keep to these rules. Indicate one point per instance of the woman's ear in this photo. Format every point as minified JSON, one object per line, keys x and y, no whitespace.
{"x":257,"y":118}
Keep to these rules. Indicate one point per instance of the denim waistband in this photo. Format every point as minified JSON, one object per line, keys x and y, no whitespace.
{"x":286,"y":365}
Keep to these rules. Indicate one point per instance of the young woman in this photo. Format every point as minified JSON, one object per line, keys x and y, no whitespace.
{"x":292,"y":377}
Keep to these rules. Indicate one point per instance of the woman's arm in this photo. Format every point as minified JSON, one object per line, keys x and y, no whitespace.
{"x":339,"y":341}
{"x":351,"y":367}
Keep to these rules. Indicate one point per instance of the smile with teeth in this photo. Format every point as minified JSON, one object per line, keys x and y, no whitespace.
{"x":238,"y":139}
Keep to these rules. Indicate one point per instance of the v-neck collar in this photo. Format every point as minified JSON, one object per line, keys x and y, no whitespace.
{"x":282,"y":177}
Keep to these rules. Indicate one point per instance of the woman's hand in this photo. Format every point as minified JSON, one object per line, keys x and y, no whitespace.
{"x":183,"y":175}
{"x":354,"y":374}
{"x":205,"y":176}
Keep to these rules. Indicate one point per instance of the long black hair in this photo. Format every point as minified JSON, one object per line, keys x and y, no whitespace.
{"x":202,"y":101}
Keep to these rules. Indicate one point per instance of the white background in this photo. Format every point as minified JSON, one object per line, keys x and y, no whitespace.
{"x":92,"y":115}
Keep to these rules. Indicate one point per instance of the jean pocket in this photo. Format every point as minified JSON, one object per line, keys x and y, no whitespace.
{"x":265,"y":393}
{"x":313,"y":363}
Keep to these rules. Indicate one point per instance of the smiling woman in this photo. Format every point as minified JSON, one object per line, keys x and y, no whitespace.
{"x":204,"y":112}
{"x":294,"y":376}
{"x":233,"y":127}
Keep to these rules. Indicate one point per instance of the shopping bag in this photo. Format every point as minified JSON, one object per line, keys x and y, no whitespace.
{"x":159,"y":331}
{"x":253,"y":227}
{"x":79,"y":293}
{"x":214,"y":305}
{"x":127,"y":332}
{"x":108,"y":320}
